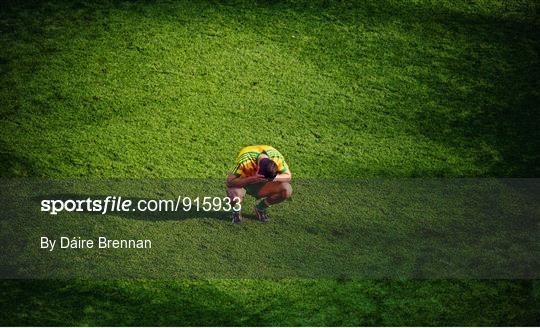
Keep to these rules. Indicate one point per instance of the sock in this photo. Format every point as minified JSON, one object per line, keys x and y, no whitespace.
{"x":262,"y":205}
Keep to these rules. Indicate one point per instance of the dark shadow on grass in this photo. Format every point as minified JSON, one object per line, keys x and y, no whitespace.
{"x":492,"y":109}
{"x":169,"y":303}
{"x":13,"y":164}
{"x":107,"y":303}
{"x":482,"y":92}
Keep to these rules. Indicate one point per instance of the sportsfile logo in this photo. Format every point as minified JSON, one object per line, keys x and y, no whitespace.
{"x":111,"y":204}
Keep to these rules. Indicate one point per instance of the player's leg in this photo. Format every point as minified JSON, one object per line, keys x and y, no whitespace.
{"x":236,"y":195}
{"x":273,"y":192}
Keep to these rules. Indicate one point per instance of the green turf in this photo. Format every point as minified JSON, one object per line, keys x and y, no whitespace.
{"x":175,"y":89}
{"x":343,"y":89}
{"x":265,"y":302}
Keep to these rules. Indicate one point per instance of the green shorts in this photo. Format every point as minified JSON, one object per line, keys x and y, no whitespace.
{"x":253,"y":189}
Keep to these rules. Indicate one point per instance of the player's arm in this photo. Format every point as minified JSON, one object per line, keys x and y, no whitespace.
{"x":284,"y":177}
{"x":234,"y":181}
{"x":284,"y":174}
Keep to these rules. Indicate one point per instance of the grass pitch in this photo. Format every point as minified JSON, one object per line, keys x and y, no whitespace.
{"x":343,"y":89}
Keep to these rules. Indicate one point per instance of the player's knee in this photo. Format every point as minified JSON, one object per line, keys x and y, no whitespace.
{"x":286,"y":190}
{"x":235,"y":194}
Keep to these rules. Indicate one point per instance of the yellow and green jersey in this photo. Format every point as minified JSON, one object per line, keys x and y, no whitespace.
{"x":245,"y":164}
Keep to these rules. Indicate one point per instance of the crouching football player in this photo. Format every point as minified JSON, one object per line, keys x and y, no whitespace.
{"x":259,"y":171}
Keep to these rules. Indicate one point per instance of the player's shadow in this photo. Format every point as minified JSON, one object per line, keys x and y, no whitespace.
{"x":134,"y":213}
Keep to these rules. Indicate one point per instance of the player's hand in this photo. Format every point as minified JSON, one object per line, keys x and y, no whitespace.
{"x":258,"y":178}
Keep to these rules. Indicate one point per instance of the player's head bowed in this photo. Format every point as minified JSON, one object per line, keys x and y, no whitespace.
{"x":268,"y":168}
